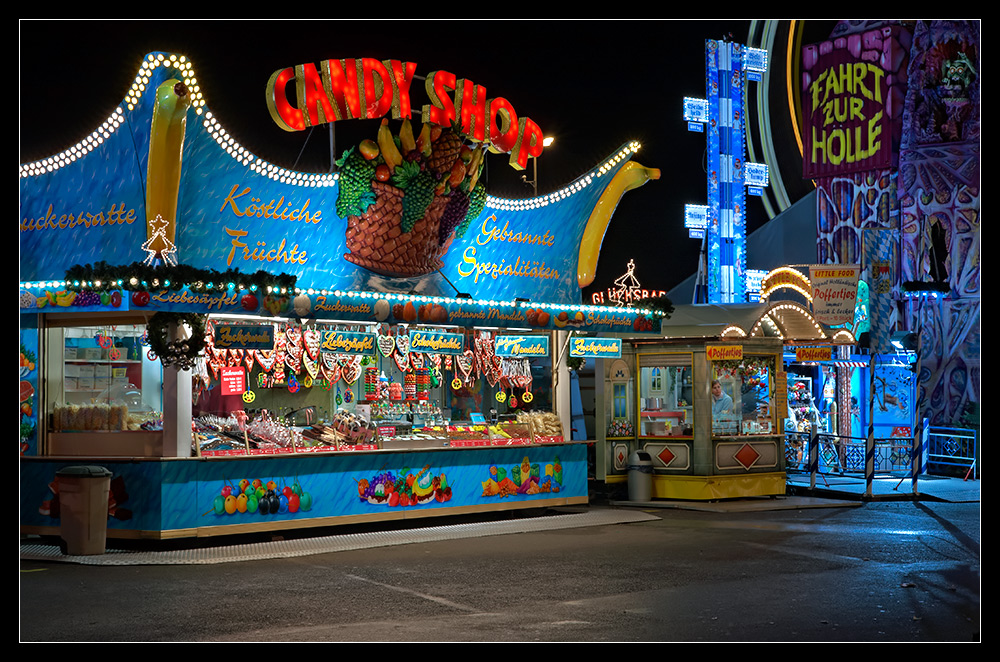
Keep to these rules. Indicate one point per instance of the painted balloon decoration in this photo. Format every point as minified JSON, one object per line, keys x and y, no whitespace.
{"x":257,"y":497}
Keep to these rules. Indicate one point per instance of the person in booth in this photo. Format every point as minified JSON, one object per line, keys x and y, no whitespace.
{"x":722,"y":403}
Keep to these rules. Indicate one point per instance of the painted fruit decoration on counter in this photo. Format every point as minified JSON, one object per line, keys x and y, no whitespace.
{"x":258,"y":497}
{"x":524,"y":479}
{"x":407,"y":197}
{"x":405,"y":489}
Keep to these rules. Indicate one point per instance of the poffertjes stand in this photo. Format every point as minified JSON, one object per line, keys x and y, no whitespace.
{"x":706,"y":401}
{"x":248,"y":348}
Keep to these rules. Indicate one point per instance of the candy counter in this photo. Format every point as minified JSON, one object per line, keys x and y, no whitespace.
{"x":277,"y":443}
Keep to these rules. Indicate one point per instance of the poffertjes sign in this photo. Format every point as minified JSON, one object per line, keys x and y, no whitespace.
{"x":366,"y":88}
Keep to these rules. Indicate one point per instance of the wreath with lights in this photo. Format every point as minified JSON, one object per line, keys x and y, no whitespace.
{"x":180,"y":353}
{"x":575,"y":363}
{"x":141,"y":277}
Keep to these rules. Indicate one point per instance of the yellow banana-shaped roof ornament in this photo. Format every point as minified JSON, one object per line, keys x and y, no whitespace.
{"x":631,"y":175}
{"x":163,"y":170}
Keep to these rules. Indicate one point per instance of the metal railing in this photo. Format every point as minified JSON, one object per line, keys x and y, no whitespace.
{"x":952,"y":450}
{"x":846,"y":455}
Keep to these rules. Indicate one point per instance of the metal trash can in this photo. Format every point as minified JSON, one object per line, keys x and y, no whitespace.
{"x":640,"y":476}
{"x":83,"y":508}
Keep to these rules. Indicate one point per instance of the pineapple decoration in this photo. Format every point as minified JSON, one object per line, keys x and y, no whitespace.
{"x":407,"y":197}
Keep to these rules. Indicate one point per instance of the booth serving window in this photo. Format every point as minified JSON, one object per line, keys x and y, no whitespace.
{"x":742,"y":396}
{"x":665,"y":395}
{"x":99,"y":378}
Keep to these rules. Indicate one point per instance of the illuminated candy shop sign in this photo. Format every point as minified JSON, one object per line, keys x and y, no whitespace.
{"x":248,"y":336}
{"x":437,"y":342}
{"x":367,"y":88}
{"x":596,"y":348}
{"x":348,"y":342}
{"x":522,"y":347}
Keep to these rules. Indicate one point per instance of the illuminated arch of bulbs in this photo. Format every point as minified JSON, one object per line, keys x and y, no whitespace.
{"x":733,"y":331}
{"x":183,"y":68}
{"x":801,"y":289}
{"x":772,"y":318}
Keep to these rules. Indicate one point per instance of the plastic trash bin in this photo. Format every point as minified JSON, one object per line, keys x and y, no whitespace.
{"x":640,"y":476}
{"x":83,"y":508}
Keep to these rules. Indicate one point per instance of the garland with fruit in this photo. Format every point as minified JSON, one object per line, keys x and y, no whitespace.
{"x":661,"y":308}
{"x":407,"y":197}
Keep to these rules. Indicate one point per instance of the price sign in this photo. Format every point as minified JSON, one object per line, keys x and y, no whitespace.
{"x":233,"y":381}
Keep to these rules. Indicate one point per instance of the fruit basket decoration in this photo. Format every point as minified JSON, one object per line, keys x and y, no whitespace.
{"x":404,"y":489}
{"x":407,"y":197}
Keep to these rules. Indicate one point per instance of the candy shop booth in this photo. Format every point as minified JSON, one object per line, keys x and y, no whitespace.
{"x":248,"y":348}
{"x":706,"y":401}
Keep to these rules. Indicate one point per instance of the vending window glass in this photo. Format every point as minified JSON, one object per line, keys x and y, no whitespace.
{"x":100,"y":378}
{"x":665,"y":395}
{"x":742,"y":396}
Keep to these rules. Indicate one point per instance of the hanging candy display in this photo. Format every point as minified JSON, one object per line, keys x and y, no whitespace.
{"x":423,"y":383}
{"x":410,"y":385}
{"x":371,"y":382}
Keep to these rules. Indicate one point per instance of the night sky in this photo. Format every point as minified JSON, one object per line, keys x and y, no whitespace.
{"x":592,"y":85}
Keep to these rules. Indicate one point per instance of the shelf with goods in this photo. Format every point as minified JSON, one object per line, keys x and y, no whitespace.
{"x":104,"y":393}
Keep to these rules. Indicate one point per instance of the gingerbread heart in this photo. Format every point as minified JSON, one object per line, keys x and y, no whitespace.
{"x":402,"y":360}
{"x":331,"y":368}
{"x":403,"y":344}
{"x":310,"y":364}
{"x":350,"y":370}
{"x":386,"y":345}
{"x":311,"y":339}
{"x":265,"y":359}
{"x":464,"y":364}
{"x":293,"y":336}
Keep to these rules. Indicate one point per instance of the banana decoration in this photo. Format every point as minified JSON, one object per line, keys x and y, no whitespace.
{"x":163,"y":170}
{"x":629,"y":176}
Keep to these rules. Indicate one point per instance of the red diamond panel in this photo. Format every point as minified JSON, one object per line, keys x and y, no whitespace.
{"x":666,"y":456}
{"x":746,"y":456}
{"x":621,"y":458}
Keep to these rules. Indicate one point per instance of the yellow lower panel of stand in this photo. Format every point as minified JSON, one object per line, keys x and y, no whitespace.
{"x":707,"y":488}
